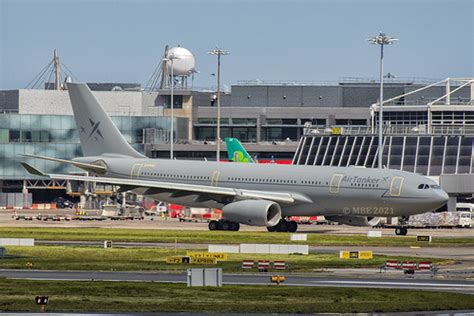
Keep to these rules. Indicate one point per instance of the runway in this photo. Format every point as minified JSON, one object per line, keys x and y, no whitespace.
{"x":462,"y":286}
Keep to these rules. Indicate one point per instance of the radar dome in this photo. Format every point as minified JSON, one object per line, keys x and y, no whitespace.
{"x":183,"y":61}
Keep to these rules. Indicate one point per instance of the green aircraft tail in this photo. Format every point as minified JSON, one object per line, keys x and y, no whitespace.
{"x":236,"y":152}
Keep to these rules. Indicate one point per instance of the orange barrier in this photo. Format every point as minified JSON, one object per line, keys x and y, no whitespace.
{"x":263,"y":265}
{"x":247,"y":264}
{"x":408,"y":267}
{"x":279,"y":265}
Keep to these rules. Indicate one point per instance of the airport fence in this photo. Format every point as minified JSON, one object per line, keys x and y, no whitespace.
{"x":16,"y":200}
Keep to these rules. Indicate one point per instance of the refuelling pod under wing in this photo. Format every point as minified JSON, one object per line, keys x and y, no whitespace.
{"x":355,"y":220}
{"x":253,"y":212}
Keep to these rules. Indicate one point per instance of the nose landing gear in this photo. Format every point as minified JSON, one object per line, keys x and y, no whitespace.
{"x":401,"y":231}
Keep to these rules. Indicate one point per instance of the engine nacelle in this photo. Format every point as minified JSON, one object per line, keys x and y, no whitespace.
{"x":253,"y":212}
{"x":355,"y":220}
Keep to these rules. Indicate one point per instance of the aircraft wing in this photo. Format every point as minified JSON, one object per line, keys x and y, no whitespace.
{"x":182,"y":189}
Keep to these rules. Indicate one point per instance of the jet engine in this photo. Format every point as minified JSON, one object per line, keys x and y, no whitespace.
{"x":355,"y":220}
{"x":253,"y":212}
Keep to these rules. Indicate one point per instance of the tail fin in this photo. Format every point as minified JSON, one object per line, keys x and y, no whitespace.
{"x":236,"y":152}
{"x":97,"y":133}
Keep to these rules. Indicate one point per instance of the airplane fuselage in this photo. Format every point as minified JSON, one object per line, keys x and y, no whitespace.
{"x":347,"y":191}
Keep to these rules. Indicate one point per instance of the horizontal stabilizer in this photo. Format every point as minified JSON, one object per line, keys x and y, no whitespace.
{"x":82,"y":165}
{"x":32,"y":170}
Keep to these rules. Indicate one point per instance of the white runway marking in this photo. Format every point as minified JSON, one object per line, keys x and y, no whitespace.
{"x":397,"y":283}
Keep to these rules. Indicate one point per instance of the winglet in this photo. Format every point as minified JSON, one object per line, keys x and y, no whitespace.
{"x":32,"y":170}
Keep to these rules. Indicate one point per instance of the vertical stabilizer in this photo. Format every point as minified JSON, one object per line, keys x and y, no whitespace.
{"x":236,"y":152}
{"x":97,"y":133}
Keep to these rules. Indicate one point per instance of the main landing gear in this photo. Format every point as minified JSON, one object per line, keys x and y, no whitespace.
{"x":284,"y":226}
{"x":401,"y":231}
{"x":224,"y":225}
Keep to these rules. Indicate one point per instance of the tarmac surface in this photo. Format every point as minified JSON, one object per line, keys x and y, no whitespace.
{"x":6,"y":219}
{"x":423,"y":283}
{"x":458,"y":277}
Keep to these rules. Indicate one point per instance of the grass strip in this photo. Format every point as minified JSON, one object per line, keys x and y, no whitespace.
{"x":80,"y":296}
{"x":220,"y":237}
{"x":153,"y":259}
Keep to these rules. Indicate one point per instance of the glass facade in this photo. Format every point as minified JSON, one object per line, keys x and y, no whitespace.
{"x":177,"y":101}
{"x":271,"y":129}
{"x":430,"y":155}
{"x":56,"y":136}
{"x":406,"y":117}
{"x":244,"y":129}
{"x":439,"y":118}
{"x":245,"y":134}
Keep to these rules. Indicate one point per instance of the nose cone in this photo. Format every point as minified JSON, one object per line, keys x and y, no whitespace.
{"x":437,"y":199}
{"x":442,"y":197}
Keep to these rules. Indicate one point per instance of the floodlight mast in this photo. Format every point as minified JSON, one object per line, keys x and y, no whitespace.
{"x":171,"y":58}
{"x":217,"y":51}
{"x":381,"y":39}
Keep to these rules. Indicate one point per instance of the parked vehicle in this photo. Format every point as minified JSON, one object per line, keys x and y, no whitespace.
{"x":63,"y":203}
{"x":443,"y":219}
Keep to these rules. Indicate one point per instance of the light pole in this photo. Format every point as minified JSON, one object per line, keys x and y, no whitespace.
{"x":218,"y":52}
{"x":170,"y":59}
{"x":381,"y":40}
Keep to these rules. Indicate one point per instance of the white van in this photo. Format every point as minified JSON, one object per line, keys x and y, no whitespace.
{"x":467,"y":211}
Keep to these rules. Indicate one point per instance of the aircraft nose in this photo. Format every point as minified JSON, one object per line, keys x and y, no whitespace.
{"x":442,"y":197}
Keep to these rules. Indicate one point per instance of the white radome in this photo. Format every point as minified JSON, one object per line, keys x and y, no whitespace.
{"x":183,"y":62}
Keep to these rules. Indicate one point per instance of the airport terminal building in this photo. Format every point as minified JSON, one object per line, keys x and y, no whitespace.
{"x":40,"y":122}
{"x":429,"y":126}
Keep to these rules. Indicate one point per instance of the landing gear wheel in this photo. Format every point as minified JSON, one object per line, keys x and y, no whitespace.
{"x":291,"y":226}
{"x":226,"y":225}
{"x":401,"y":231}
{"x":282,"y":226}
{"x":235,"y":227}
{"x":213,"y":225}
{"x":271,"y":229}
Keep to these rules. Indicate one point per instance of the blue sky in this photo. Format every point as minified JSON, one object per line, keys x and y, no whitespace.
{"x":122,"y":41}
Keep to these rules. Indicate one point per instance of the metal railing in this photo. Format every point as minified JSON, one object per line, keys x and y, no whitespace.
{"x":397,"y":80}
{"x":342,"y":80}
{"x":257,"y":82}
{"x":391,"y":130}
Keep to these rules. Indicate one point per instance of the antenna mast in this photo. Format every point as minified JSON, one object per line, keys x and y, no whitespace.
{"x":57,"y":71}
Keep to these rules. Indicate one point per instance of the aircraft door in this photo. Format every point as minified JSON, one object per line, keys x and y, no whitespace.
{"x":396,"y":186}
{"x":135,"y":173}
{"x":215,"y":178}
{"x":335,"y":183}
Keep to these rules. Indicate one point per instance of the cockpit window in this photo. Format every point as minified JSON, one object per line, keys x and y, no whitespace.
{"x":427,"y":186}
{"x":424,"y":186}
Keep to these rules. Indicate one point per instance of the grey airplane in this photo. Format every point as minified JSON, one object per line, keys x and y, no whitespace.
{"x":251,"y":194}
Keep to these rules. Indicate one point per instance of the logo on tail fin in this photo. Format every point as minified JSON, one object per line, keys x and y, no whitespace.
{"x":95,"y":129}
